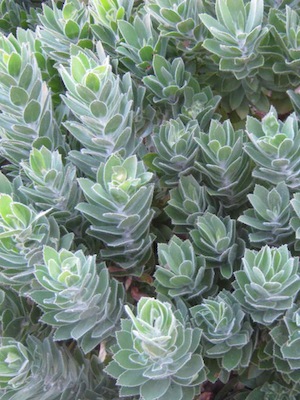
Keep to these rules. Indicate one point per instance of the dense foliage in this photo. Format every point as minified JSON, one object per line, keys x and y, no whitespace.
{"x":149,"y":199}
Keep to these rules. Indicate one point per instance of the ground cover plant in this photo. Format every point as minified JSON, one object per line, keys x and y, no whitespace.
{"x":150,"y":200}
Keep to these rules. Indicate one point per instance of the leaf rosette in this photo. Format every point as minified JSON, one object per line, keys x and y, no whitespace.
{"x":236,"y":32}
{"x":199,"y":104}
{"x":119,"y":209}
{"x":23,"y":233}
{"x":13,"y":15}
{"x":43,"y":370}
{"x":268,"y":283}
{"x":138,"y":44}
{"x":26,"y":105}
{"x":106,"y":16}
{"x":176,"y":150}
{"x":226,"y":337}
{"x":60,"y":28}
{"x":284,"y":346}
{"x":269,"y":219}
{"x":156,"y":355}
{"x":77,"y":296}
{"x":18,"y":316}
{"x":168,"y":81}
{"x":103,"y":105}
{"x":181,"y":273}
{"x":178,"y":19}
{"x":286,"y":32}
{"x":274,"y":147}
{"x":215,"y":239}
{"x":14,"y":363}
{"x":225,"y":167}
{"x":188,"y":201}
{"x":53,"y":185}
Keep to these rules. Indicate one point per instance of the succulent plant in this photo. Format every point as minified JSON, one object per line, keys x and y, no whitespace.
{"x":60,"y":28}
{"x":119,"y":209}
{"x":157,"y":355}
{"x":268,"y":283}
{"x":179,"y":20}
{"x":215,"y":239}
{"x":226,"y":336}
{"x":19,"y":317}
{"x":138,"y":43}
{"x":176,"y":149}
{"x":236,"y":34}
{"x":14,"y":364}
{"x":77,"y":297}
{"x":45,"y":64}
{"x":269,"y":219}
{"x":23,"y":233}
{"x":42,"y":370}
{"x":188,"y":201}
{"x":274,"y":148}
{"x":237,"y":30}
{"x":52,"y":185}
{"x":284,"y":346}
{"x":168,"y":82}
{"x":181,"y":273}
{"x":13,"y":14}
{"x":225,"y":167}
{"x":102,"y":103}
{"x":201,"y":105}
{"x":106,"y":16}
{"x":285,"y":30}
{"x":25,"y":102}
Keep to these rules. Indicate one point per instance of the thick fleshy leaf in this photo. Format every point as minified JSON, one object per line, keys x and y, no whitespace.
{"x":155,"y":390}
